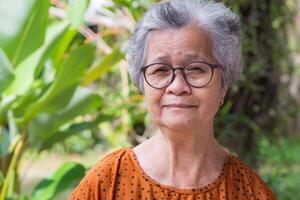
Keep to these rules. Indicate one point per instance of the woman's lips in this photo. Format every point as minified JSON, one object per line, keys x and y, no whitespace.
{"x":180,"y":106}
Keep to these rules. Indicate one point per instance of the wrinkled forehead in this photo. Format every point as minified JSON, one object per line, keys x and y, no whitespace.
{"x":178,"y":45}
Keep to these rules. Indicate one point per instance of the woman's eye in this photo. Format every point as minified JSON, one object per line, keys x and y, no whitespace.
{"x":195,"y":70}
{"x":161,"y":70}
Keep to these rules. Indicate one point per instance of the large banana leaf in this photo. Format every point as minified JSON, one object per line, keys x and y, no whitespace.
{"x":22,"y":27}
{"x":27,"y":68}
{"x":6,"y":73}
{"x":65,"y":177}
{"x":44,"y":126}
{"x":69,"y":75}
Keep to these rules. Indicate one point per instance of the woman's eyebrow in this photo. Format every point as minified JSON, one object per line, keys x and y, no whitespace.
{"x":192,"y":56}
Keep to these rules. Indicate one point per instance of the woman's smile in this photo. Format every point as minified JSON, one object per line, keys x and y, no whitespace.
{"x":180,"y":106}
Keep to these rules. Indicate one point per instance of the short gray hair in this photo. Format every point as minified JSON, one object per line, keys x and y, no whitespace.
{"x":222,"y":26}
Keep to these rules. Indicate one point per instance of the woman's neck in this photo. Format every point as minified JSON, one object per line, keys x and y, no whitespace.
{"x":182,"y":159}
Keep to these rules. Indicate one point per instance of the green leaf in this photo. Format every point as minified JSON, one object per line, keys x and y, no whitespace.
{"x":23,"y":197}
{"x":66,"y":176}
{"x":104,"y":65}
{"x":1,"y":178}
{"x":22,"y":27}
{"x":4,"y":142}
{"x":27,"y":67}
{"x":44,"y":126}
{"x":73,"y":130}
{"x":12,"y":127}
{"x":6,"y":73}
{"x":21,"y":102}
{"x":60,"y":101}
{"x":62,"y":46}
{"x":5,"y":104}
{"x":72,"y":69}
{"x":70,"y":74}
{"x":77,"y":11}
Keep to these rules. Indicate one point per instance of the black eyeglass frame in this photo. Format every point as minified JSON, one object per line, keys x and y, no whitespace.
{"x":212,"y":67}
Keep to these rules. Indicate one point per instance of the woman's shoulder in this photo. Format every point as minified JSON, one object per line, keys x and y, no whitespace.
{"x":243,"y":177}
{"x":105,"y":168}
{"x":100,"y":176}
{"x":111,"y":159}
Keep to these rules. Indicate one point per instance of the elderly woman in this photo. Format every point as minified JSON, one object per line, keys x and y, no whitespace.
{"x":183,"y":56}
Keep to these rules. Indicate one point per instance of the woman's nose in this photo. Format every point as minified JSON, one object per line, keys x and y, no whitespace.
{"x":178,"y":86}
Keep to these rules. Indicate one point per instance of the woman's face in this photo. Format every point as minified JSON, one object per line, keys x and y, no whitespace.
{"x":179,"y":105}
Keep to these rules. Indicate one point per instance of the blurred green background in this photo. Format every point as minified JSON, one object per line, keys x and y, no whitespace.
{"x":66,"y":98}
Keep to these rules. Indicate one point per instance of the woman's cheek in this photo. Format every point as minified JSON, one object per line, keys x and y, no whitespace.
{"x":153,"y":107}
{"x":208,"y":109}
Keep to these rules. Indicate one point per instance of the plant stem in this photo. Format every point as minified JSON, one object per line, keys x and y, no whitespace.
{"x":12,"y":166}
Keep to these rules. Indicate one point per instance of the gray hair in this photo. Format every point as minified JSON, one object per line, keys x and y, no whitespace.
{"x":222,"y":26}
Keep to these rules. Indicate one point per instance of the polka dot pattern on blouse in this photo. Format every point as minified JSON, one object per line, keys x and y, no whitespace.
{"x":118,"y":176}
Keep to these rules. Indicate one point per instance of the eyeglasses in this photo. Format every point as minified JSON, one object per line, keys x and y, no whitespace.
{"x":196,"y":74}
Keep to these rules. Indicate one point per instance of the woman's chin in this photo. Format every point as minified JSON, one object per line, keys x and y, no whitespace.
{"x":178,"y":123}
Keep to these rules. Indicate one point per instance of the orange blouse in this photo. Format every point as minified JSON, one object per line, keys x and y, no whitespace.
{"x":119,"y":176}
